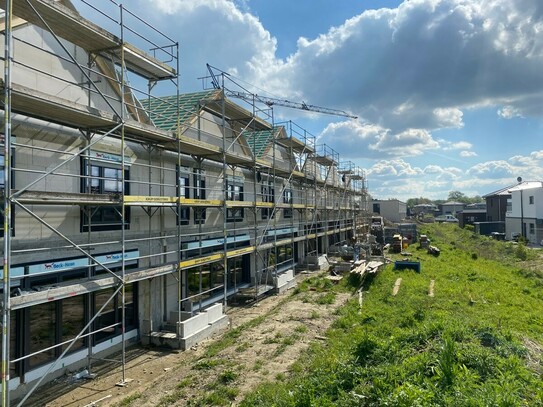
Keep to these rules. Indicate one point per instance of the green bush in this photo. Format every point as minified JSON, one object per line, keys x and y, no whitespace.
{"x":521,"y":252}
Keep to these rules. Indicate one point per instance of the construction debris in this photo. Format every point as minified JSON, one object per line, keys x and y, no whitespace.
{"x":396,"y":286}
{"x":406,"y":264}
{"x":424,"y":242}
{"x":396,"y":246}
{"x":369,"y":267}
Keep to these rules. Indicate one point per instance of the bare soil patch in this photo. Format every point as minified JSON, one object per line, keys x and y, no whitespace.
{"x":277,"y":330}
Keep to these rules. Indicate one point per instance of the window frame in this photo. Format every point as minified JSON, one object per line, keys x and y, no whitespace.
{"x":287,"y":199}
{"x":234,"y":192}
{"x":88,"y":183}
{"x":183,"y":191}
{"x":267,"y":190}
{"x":199,"y":192}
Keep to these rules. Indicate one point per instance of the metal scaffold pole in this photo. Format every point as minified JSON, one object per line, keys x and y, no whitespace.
{"x":7,"y":207}
{"x":123,"y":206}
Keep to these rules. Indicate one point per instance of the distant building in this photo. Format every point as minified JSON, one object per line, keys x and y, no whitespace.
{"x":496,"y":204}
{"x":391,"y":209}
{"x":451,"y":207}
{"x":424,"y":208}
{"x":524,"y":214}
{"x":470,"y":215}
{"x":478,"y":205}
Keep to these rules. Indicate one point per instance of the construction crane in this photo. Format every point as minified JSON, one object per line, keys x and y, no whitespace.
{"x":268,"y":101}
{"x":250,"y":97}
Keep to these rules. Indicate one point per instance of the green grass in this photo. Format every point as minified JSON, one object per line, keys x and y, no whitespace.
{"x":231,"y":337}
{"x":219,"y":395}
{"x":127,"y":401}
{"x":463,"y":347}
{"x":171,"y":398}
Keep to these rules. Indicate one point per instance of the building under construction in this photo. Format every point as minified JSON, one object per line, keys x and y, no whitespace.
{"x":135,"y":218}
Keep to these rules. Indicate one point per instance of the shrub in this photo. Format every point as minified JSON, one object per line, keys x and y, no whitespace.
{"x":521,"y":252}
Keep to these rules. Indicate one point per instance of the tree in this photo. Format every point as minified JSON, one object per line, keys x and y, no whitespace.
{"x":458,"y":196}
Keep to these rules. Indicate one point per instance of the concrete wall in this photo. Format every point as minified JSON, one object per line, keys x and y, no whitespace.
{"x":392,"y":209}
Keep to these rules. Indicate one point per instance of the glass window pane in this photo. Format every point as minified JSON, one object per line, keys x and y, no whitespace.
{"x":111,"y":181}
{"x":42,"y":332}
{"x":130,"y":311}
{"x":107,"y":318}
{"x":73,"y":321}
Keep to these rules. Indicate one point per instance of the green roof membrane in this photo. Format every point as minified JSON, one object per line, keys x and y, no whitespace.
{"x":259,"y":141}
{"x":163,"y":114}
{"x":163,"y":110}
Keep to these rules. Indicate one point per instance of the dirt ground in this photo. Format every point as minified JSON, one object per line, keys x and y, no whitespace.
{"x":264,"y":351}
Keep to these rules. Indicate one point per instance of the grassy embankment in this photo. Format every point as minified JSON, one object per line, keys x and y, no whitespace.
{"x":476,"y":342}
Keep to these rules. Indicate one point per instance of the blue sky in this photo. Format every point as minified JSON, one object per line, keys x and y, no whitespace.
{"x":449,"y":93}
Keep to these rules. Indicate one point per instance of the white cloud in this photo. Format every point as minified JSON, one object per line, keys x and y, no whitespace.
{"x":448,"y":117}
{"x":443,"y":173}
{"x":492,"y":169}
{"x":410,"y":142}
{"x":459,"y":145}
{"x":418,"y":66}
{"x":466,"y":154}
{"x":509,"y":112}
{"x":218,"y":32}
{"x":392,"y":169}
{"x":356,"y":139}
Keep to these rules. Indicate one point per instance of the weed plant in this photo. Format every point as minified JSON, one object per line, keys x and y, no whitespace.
{"x":465,"y":346}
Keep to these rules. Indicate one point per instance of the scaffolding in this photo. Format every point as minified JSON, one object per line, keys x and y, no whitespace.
{"x":329,"y":201}
{"x":90,"y":99}
{"x":145,"y":214}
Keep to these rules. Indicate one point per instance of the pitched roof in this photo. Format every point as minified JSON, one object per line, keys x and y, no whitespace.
{"x":526,"y":185}
{"x":259,"y":141}
{"x":163,"y":110}
{"x":503,"y":191}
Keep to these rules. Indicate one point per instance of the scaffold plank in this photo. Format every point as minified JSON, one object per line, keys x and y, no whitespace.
{"x":239,"y":204}
{"x":264,"y":204}
{"x":240,"y":252}
{"x":201,"y":202}
{"x":54,"y":293}
{"x":66,"y":198}
{"x":324,"y":160}
{"x":200,"y":261}
{"x":136,"y":200}
{"x":296,"y":144}
{"x":71,"y":26}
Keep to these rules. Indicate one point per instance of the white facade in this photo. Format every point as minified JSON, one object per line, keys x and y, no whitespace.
{"x":392,"y":210}
{"x":524,"y":214}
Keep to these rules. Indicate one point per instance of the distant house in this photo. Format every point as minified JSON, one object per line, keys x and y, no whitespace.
{"x":451,"y":207}
{"x":423,"y":209}
{"x":478,"y":205}
{"x":471,"y":214}
{"x":524,"y":214}
{"x":496,"y":204}
{"x":391,"y":209}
